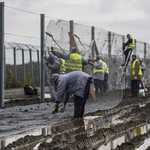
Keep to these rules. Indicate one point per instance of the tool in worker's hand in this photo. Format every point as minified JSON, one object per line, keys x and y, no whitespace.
{"x":55,"y":109}
{"x":63,"y":108}
{"x":55,"y":41}
{"x":84,"y":47}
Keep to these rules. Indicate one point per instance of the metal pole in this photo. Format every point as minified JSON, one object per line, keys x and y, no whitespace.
{"x":31,"y":66}
{"x":23,"y":66}
{"x":42,"y":16}
{"x":135,"y":46}
{"x":123,"y":57}
{"x":2,"y":54}
{"x":93,"y":46}
{"x":93,"y":38}
{"x":15,"y":69}
{"x":145,"y":46}
{"x":71,"y":30}
{"x":38,"y":59}
{"x":109,"y":58}
{"x":5,"y":67}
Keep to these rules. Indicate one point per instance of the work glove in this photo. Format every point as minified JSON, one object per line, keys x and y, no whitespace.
{"x":55,"y":109}
{"x":63,"y":108}
{"x":49,"y":52}
{"x":135,"y":78}
{"x":52,"y":50}
{"x":43,"y":56}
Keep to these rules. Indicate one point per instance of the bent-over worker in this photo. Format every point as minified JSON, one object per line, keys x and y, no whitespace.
{"x":77,"y":83}
{"x":54,"y":64}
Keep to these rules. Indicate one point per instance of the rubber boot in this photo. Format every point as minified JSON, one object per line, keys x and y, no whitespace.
{"x":63,"y":108}
{"x":136,"y":92}
{"x":55,"y":109}
{"x":78,"y":111}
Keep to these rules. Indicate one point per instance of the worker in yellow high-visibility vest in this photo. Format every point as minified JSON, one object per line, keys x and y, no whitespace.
{"x":98,"y":74}
{"x":73,"y":61}
{"x":135,"y":75}
{"x":130,"y":44}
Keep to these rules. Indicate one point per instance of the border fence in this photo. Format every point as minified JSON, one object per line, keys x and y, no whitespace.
{"x":23,"y":62}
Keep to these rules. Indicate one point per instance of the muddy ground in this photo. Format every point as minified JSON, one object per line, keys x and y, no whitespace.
{"x":124,"y":127}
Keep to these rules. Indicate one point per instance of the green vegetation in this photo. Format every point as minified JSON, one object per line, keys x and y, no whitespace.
{"x":12,"y":82}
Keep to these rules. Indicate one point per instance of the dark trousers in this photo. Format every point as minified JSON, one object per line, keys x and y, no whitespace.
{"x":105,"y":82}
{"x":126,"y":52}
{"x":134,"y":84}
{"x":79,"y":102}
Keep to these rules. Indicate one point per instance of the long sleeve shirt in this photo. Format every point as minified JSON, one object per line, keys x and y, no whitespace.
{"x":128,"y":42}
{"x":98,"y":75}
{"x":71,"y":83}
{"x":67,"y":57}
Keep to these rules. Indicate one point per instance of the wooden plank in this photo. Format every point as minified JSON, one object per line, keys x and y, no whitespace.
{"x":83,"y":67}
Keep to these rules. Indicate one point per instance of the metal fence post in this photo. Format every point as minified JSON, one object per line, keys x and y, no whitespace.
{"x":31,"y":66}
{"x":42,"y":17}
{"x":145,"y":47}
{"x":93,"y":38}
{"x":5,"y":67}
{"x":23,"y":66}
{"x":2,"y":54}
{"x":71,"y":30}
{"x":38,"y":59}
{"x":109,"y":58}
{"x":135,"y":47}
{"x":123,"y":57}
{"x":15,"y":69}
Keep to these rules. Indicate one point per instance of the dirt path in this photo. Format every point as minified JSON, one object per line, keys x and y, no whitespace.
{"x":97,"y":129}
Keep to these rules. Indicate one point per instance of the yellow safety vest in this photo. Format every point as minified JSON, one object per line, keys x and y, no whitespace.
{"x":133,"y":68}
{"x":131,"y":45}
{"x":107,"y":70}
{"x":99,"y":70}
{"x":74,"y":63}
{"x":63,"y":66}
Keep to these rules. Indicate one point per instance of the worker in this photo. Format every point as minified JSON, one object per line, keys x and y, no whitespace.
{"x":135,"y":76}
{"x":75,"y":82}
{"x":63,"y":66}
{"x":98,"y":74}
{"x":106,"y":72}
{"x":130,"y":45}
{"x":53,"y":63}
{"x":143,"y":68}
{"x":73,"y":61}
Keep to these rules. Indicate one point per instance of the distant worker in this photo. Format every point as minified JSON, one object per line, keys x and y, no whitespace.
{"x":135,"y":76}
{"x":53,"y":63}
{"x":143,"y":68}
{"x":73,"y":61}
{"x":77,"y":83}
{"x":98,"y":74}
{"x":130,"y":45}
{"x":106,"y":72}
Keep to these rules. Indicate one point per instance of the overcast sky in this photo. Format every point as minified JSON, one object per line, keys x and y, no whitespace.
{"x":120,"y":16}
